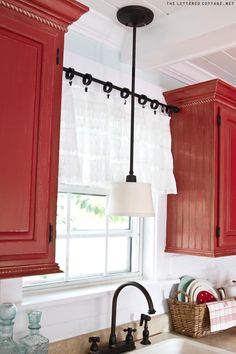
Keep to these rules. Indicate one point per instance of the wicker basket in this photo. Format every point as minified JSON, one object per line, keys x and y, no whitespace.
{"x":188,"y":318}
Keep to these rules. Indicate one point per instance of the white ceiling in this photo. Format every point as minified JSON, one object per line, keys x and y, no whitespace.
{"x":189,"y":44}
{"x":221,"y":64}
{"x":109,"y":8}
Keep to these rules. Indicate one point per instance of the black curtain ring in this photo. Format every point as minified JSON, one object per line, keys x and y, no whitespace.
{"x":87,"y":79}
{"x":142,"y":99}
{"x":107,"y":87}
{"x":154,"y":104}
{"x":70,"y":73}
{"x":124,"y":93}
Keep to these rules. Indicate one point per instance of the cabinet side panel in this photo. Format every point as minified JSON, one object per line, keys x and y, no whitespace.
{"x":227,"y":209}
{"x":231,"y":191}
{"x":190,"y":213}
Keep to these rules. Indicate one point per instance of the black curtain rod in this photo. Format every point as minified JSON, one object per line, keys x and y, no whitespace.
{"x":108,"y":86}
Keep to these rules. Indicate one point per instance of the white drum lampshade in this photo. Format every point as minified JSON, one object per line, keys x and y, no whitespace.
{"x":131,"y":199}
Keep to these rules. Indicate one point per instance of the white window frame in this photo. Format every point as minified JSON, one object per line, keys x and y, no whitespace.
{"x":136,"y":232}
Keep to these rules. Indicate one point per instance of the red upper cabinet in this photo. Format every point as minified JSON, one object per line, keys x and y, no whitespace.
{"x":31,"y":42}
{"x":201,"y":218}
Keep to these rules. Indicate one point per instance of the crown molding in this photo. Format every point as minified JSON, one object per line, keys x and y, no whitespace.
{"x":58,"y":14}
{"x":204,"y":92}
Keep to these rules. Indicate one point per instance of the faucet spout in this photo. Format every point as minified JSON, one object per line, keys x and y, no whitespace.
{"x":151,"y":310}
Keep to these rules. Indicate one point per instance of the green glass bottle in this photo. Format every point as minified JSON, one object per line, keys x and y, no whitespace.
{"x":7,"y":316}
{"x":34,"y":342}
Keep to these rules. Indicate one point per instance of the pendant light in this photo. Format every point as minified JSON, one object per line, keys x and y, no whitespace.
{"x":131,"y":198}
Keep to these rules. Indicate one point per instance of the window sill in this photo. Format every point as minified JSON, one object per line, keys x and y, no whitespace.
{"x":61,"y":296}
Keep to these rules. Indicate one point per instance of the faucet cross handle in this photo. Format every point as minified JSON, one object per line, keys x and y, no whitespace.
{"x":129,"y":337}
{"x":94,"y":346}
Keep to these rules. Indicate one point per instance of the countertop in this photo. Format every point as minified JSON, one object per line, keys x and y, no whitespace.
{"x":79,"y":345}
{"x":225,"y":339}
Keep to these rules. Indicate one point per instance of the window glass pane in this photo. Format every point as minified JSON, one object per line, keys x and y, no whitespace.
{"x":119,"y":222}
{"x":61,"y":253}
{"x":51,"y":278}
{"x":61,"y":213}
{"x":87,"y":256}
{"x":87,"y":212}
{"x":118,"y":254}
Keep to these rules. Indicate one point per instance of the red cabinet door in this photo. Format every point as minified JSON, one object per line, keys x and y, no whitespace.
{"x":227,"y":181}
{"x":28,"y":58}
{"x":31,"y":42}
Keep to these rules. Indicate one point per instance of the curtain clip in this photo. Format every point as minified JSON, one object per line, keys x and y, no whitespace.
{"x":70,"y":73}
{"x":154,"y":105}
{"x":107,"y":87}
{"x":124,"y":93}
{"x":142,"y":99}
{"x":87,"y":79}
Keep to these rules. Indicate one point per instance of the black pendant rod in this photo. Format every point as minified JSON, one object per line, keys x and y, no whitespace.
{"x":71,"y":72}
{"x":131,"y":177}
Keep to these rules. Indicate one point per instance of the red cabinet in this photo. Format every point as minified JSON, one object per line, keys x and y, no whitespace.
{"x":201,"y":218}
{"x":31,"y":42}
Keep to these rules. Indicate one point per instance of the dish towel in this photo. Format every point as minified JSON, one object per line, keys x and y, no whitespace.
{"x":222,"y":314}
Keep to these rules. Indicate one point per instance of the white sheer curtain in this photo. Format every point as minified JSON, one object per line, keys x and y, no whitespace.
{"x":95,"y":134}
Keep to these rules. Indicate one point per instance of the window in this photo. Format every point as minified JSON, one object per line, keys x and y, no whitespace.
{"x":90,"y":245}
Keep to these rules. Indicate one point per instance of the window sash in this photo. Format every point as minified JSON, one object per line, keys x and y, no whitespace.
{"x":134,"y":251}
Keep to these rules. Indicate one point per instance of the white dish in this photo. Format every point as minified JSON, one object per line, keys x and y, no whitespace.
{"x":190,"y":289}
{"x":200,"y":289}
{"x":200,"y":285}
{"x":183,"y":284}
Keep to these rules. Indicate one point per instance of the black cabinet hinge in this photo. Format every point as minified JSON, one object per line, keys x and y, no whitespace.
{"x":58,"y":56}
{"x":50,"y":233}
{"x":218,"y":119}
{"x":217,"y":231}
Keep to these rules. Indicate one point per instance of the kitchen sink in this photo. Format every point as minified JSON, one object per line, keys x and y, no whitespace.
{"x":181,"y":345}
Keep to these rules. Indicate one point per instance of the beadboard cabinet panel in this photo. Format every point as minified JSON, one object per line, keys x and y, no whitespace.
{"x":227,"y":183}
{"x":32,"y":42}
{"x":201,"y":218}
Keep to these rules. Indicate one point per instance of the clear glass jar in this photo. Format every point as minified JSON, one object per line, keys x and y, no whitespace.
{"x":7,"y":316}
{"x":34,"y":342}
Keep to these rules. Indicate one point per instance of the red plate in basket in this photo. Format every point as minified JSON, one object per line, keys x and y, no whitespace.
{"x":204,"y":296}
